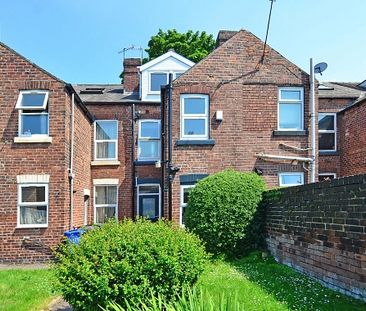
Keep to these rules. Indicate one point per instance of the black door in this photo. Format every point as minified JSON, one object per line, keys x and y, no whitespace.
{"x":149,"y":206}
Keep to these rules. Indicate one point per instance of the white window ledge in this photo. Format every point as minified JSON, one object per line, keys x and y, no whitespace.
{"x":106,"y":181}
{"x":32,"y":226}
{"x":32,"y":140}
{"x":105,"y":162}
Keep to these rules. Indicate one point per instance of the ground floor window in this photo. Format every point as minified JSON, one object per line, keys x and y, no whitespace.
{"x":184,"y":194}
{"x":32,"y":205}
{"x":289,"y":179}
{"x":326,"y":176}
{"x":149,"y":201}
{"x":105,"y":203}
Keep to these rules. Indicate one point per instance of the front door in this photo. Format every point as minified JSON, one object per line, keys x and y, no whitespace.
{"x":149,"y":206}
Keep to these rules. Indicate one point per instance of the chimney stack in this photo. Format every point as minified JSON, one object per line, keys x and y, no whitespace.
{"x":131,"y":75}
{"x":223,"y":36}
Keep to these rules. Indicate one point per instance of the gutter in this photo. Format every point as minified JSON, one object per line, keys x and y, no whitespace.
{"x":133,"y":161}
{"x":162,"y":149}
{"x":71,"y":167}
{"x":312,"y":116}
{"x":170,"y":164}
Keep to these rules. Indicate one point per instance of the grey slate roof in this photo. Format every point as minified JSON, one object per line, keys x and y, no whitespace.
{"x":104,"y":93}
{"x":339,"y":90}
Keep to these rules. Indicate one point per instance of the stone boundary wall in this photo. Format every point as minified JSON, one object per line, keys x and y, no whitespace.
{"x":320,"y":229}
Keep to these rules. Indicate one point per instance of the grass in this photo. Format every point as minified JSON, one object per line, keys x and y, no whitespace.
{"x":265,"y":285}
{"x":253,"y":283}
{"x":25,"y":290}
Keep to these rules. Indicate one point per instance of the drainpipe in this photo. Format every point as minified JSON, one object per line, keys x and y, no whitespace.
{"x":71,"y":168}
{"x":170,"y":165}
{"x":162,"y":149}
{"x":312,"y":114}
{"x":133,"y":161}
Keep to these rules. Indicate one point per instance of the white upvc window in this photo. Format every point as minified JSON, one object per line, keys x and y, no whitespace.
{"x":32,"y":205}
{"x":289,"y":179}
{"x":327,"y":124}
{"x":184,"y":194}
{"x":105,"y":140}
{"x":157,"y":80}
{"x":326,"y":176}
{"x":149,"y":140}
{"x":194,"y":116}
{"x":290,"y":108}
{"x":105,"y":203}
{"x":33,"y":113}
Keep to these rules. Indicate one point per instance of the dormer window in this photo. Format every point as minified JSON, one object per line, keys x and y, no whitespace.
{"x":33,"y":113}
{"x":157,"y":79}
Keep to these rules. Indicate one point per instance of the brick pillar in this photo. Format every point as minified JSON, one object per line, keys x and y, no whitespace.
{"x":131,"y":75}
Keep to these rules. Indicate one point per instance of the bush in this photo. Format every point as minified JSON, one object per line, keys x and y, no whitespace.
{"x":128,"y":262}
{"x":221,"y":208}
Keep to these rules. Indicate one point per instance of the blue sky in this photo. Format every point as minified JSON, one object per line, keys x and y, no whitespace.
{"x":79,"y":40}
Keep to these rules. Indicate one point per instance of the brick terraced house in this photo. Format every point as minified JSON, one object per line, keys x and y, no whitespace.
{"x":335,"y":140}
{"x":79,"y":154}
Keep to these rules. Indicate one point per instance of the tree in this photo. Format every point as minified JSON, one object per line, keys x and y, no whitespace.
{"x":192,"y":45}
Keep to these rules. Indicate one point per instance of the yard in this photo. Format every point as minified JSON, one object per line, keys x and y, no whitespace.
{"x":255,"y":283}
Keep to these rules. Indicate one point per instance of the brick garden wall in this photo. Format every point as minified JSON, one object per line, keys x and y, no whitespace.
{"x":320,"y":229}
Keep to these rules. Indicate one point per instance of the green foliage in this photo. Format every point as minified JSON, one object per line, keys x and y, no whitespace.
{"x":127,"y":262}
{"x":221,"y":208}
{"x":192,"y":45}
{"x":191,"y":300}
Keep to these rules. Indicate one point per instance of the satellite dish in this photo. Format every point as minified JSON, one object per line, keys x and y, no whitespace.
{"x":319,"y":68}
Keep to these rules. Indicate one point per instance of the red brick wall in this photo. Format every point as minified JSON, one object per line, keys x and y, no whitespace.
{"x":331,"y":163}
{"x":320,"y":230}
{"x":248,"y":99}
{"x":18,"y":159}
{"x":352,"y":125}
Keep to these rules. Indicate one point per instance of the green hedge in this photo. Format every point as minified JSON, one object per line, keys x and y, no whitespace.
{"x":221,"y":209}
{"x":128,"y":262}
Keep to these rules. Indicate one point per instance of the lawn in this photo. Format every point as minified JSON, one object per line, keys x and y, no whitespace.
{"x":254,"y":283}
{"x":265,"y":285}
{"x":25,"y":290}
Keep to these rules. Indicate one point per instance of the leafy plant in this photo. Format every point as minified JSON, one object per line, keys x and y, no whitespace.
{"x":221,"y":209}
{"x":128,"y":262}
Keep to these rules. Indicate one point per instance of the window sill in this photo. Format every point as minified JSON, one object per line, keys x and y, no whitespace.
{"x":289,"y":133}
{"x":206,"y":142}
{"x":105,"y":162}
{"x":328,"y":153}
{"x":32,"y":140}
{"x":32,"y":227}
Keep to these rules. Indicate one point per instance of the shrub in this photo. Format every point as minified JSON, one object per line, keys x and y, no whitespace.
{"x":127,"y":262}
{"x":220,"y":210}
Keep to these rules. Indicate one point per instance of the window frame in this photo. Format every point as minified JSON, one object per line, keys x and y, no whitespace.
{"x":141,"y":138}
{"x":291,"y":174}
{"x":25,"y":204}
{"x":328,"y":131}
{"x":290,"y":101}
{"x":150,"y":80}
{"x":18,"y":105}
{"x":182,"y":204}
{"x":96,"y":141}
{"x":328,"y":174}
{"x":147,"y":194}
{"x":20,"y":123}
{"x":104,"y":205}
{"x":204,"y":116}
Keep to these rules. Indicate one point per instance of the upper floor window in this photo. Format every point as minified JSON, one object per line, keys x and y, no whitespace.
{"x":159,"y":79}
{"x":32,"y":205}
{"x":194,"y":116}
{"x":291,"y":109}
{"x":289,"y":179}
{"x":149,"y":140}
{"x":327,"y":123}
{"x":106,"y":139}
{"x":33,"y":113}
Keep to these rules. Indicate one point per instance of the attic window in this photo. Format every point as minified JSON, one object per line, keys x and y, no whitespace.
{"x":157,"y":79}
{"x":32,"y":100}
{"x":93,"y":90}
